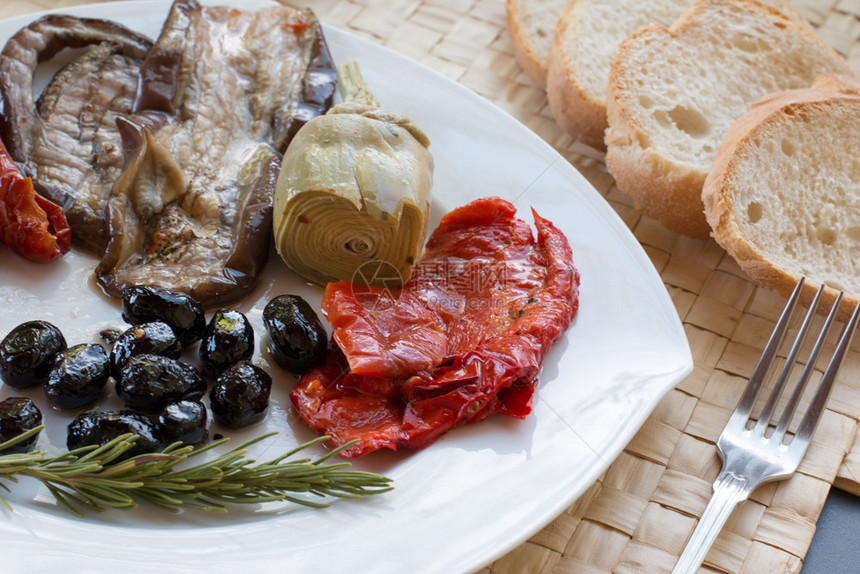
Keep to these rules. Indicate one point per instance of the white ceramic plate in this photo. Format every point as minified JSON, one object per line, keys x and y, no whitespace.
{"x":458,"y":504}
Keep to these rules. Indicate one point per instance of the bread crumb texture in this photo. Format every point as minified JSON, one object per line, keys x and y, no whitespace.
{"x":677,"y":90}
{"x":599,"y":27}
{"x":684,"y":89}
{"x":532,"y":26}
{"x":796,"y":199}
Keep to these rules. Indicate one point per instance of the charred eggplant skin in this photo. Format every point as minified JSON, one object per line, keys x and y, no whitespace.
{"x":240,"y":396}
{"x":153,"y":338}
{"x":297,"y":339}
{"x":184,"y":421}
{"x":160,"y":76}
{"x":79,"y":376}
{"x":99,"y":428}
{"x":18,"y":415}
{"x":149,"y":382}
{"x":28,"y":352}
{"x":318,"y":88}
{"x":229,"y":338}
{"x":184,"y":314}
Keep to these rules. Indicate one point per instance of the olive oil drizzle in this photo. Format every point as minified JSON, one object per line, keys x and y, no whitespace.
{"x":88,"y":478}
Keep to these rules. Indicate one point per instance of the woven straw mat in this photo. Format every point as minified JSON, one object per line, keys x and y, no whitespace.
{"x":637,"y":516}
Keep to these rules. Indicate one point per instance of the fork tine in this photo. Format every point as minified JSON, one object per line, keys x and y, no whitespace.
{"x":805,"y":375}
{"x":816,"y":407}
{"x":748,"y":459}
{"x":788,"y":366}
{"x":747,"y":401}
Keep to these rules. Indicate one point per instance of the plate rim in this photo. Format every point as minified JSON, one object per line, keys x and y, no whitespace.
{"x":583,"y":187}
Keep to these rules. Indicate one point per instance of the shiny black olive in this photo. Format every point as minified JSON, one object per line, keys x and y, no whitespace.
{"x":297,"y":338}
{"x":229,"y":338}
{"x":28,"y":352}
{"x":155,"y":338}
{"x":184,"y":314}
{"x":18,"y":415}
{"x":148,"y":382}
{"x":110,"y":335}
{"x":240,"y":396}
{"x":184,"y":421}
{"x":98,"y":428}
{"x":79,"y":376}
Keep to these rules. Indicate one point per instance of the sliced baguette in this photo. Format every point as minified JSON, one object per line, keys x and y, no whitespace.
{"x":673,"y":93}
{"x":783,"y":195}
{"x":531,"y":25}
{"x":587,"y":38}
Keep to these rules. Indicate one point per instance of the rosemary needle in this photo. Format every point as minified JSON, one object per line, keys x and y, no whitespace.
{"x":92,"y":478}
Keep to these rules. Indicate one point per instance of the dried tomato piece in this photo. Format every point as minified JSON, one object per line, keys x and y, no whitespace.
{"x":30,"y":225}
{"x":495,"y":296}
{"x":386,"y":333}
{"x":328,"y":401}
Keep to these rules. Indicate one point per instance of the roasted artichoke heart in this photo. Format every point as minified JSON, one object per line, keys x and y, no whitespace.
{"x":353,"y":195}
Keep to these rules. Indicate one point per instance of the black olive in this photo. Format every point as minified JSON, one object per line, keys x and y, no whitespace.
{"x":148,"y":382}
{"x":27,"y":353}
{"x":110,"y":335}
{"x":99,"y":428}
{"x":297,"y":338}
{"x":240,"y":396}
{"x":184,"y":314}
{"x":18,"y":415}
{"x":79,"y":376}
{"x":155,"y":338}
{"x":184,"y":421}
{"x":229,"y":338}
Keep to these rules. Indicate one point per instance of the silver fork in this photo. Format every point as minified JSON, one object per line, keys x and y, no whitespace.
{"x":750,"y":455}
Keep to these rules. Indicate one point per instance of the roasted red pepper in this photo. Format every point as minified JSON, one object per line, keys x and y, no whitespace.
{"x":463,"y":339}
{"x":30,"y":225}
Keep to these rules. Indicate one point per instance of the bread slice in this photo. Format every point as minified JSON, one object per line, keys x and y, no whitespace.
{"x":673,"y":93}
{"x":531,"y":25}
{"x":587,"y":38}
{"x":783,"y":195}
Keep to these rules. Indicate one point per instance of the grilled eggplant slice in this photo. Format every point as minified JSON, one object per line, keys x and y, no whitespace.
{"x":222,"y":92}
{"x":67,"y":141}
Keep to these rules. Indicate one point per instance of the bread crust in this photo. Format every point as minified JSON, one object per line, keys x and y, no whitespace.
{"x":662,"y":187}
{"x":827,"y":90}
{"x":533,"y":63}
{"x":579,"y":113}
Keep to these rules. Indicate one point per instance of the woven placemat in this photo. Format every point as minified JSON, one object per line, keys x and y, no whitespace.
{"x":637,"y":516}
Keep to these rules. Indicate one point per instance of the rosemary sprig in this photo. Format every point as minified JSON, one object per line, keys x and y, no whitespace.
{"x":88,"y":478}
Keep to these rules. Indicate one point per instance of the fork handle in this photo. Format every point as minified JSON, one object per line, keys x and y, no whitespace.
{"x":729,"y":491}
